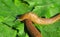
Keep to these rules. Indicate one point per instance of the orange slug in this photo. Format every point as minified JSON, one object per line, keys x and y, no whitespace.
{"x":31,"y":29}
{"x":35,"y":19}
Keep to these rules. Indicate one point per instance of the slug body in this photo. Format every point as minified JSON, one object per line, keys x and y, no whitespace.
{"x":35,"y":19}
{"x":31,"y":28}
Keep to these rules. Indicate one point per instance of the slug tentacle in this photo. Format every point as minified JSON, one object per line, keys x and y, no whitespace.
{"x":35,"y":19}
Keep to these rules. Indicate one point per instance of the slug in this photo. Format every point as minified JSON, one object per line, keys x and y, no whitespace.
{"x":31,"y":29}
{"x":38,"y":20}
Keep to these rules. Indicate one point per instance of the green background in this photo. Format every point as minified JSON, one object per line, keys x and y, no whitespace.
{"x":9,"y":9}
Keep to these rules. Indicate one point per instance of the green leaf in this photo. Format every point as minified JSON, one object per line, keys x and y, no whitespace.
{"x":6,"y":31}
{"x":45,"y":8}
{"x":9,"y":9}
{"x":51,"y":30}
